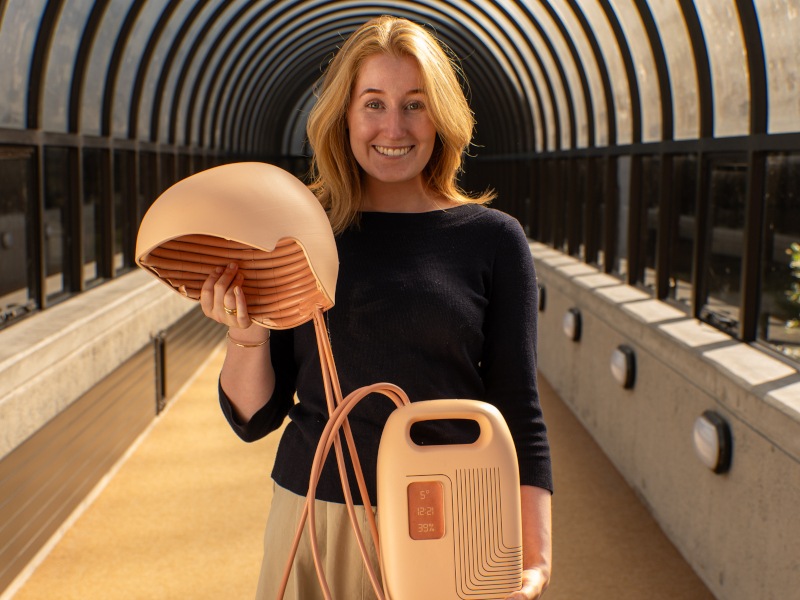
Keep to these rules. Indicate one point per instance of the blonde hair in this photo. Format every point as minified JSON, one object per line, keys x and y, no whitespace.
{"x":336,"y":175}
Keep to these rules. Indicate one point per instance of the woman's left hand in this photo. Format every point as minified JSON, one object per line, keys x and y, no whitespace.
{"x":534,"y":582}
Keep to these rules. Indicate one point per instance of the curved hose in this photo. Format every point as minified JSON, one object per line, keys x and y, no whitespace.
{"x":338,"y":409}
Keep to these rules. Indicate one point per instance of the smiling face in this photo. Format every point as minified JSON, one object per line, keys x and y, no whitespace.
{"x":391,"y":133}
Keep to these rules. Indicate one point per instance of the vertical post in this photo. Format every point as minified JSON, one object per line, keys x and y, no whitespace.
{"x":160,"y":355}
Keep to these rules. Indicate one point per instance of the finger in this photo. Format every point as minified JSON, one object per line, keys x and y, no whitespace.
{"x":235,"y":308}
{"x":207,"y":293}
{"x":221,"y":289}
{"x":242,"y":313}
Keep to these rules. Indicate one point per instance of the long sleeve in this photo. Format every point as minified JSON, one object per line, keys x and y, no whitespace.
{"x":509,"y":361}
{"x":270,"y":417}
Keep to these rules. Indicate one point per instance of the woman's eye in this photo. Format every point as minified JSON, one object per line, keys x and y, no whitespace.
{"x":373,"y":104}
{"x":416,"y":105}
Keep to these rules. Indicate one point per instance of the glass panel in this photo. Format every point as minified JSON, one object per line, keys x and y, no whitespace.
{"x":167,"y":171}
{"x":124,"y":205}
{"x":577,"y":242}
{"x":148,"y":183}
{"x":729,"y":74}
{"x":123,"y":92}
{"x":184,"y":166}
{"x":560,"y":175}
{"x":550,"y":67}
{"x":180,"y":58}
{"x":623,"y":198}
{"x":682,"y":233}
{"x":780,"y":22}
{"x":589,"y":65}
{"x":682,"y":70}
{"x":595,"y":234}
{"x":19,"y":25}
{"x":97,"y":68}
{"x":564,"y":56}
{"x":779,"y":318}
{"x":205,"y":63}
{"x":156,"y":65}
{"x":94,"y":201}
{"x":649,"y":199}
{"x":61,"y":63}
{"x":547,"y":201}
{"x":645,"y":66}
{"x":616,"y":68}
{"x":727,"y":182}
{"x":58,"y":222}
{"x":17,"y":193}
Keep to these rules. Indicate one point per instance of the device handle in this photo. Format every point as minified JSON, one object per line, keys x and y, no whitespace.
{"x":488,"y":417}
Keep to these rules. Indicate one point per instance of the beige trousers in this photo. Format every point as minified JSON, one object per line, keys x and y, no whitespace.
{"x":341,"y":558}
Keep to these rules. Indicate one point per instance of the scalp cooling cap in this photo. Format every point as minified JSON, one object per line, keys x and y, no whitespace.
{"x":256,"y":215}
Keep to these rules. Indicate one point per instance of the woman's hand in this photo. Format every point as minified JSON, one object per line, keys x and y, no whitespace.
{"x":534,"y":582}
{"x":222,"y":299}
{"x":247,"y":375}
{"x":537,"y":547}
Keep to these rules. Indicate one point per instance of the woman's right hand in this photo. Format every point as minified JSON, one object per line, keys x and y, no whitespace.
{"x":247,"y":376}
{"x":223,"y":300}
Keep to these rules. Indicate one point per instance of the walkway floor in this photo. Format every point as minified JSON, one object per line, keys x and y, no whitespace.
{"x":183,"y":517}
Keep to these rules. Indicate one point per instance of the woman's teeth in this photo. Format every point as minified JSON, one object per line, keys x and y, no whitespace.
{"x":393,"y":151}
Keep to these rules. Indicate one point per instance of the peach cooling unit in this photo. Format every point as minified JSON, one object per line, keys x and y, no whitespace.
{"x":449,"y":515}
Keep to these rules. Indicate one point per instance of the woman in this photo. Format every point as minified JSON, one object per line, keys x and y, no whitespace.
{"x":436,"y":293}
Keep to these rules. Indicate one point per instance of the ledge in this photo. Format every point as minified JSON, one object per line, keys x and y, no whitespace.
{"x":757,"y":388}
{"x":50,"y":359}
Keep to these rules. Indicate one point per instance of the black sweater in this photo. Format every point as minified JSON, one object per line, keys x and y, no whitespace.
{"x":442,"y":304}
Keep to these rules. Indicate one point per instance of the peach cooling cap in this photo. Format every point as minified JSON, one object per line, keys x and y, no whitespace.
{"x":256,"y":215}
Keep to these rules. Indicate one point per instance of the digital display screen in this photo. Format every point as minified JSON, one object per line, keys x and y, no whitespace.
{"x":426,"y":510}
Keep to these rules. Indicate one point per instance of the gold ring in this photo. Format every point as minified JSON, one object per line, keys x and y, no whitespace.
{"x":229,"y":311}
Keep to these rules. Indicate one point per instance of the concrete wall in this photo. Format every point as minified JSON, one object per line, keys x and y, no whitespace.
{"x":740,"y":531}
{"x":50,"y":359}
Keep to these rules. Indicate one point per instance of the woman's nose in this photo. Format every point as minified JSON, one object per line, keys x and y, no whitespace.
{"x":394,"y":124}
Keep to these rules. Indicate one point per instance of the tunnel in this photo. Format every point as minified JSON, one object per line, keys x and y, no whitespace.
{"x":650,"y":149}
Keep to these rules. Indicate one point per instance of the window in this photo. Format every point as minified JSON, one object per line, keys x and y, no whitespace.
{"x":647,"y":204}
{"x":95,"y":194}
{"x":725,"y":194}
{"x":17,"y":195}
{"x":595,"y":211}
{"x":577,"y":186}
{"x":148,"y":183}
{"x":559,"y":192}
{"x":548,"y":201}
{"x":184,"y":166}
{"x":622,"y":198}
{"x":59,"y":223}
{"x":124,"y":211}
{"x":779,"y":314}
{"x":682,"y":229}
{"x":167,"y":172}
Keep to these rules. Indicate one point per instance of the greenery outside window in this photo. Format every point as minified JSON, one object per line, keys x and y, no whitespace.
{"x":779,"y":316}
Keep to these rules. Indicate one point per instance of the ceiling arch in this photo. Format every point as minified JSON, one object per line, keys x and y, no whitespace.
{"x":237,"y":76}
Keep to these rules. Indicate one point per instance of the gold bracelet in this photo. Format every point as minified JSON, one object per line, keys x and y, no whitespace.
{"x":233,"y":341}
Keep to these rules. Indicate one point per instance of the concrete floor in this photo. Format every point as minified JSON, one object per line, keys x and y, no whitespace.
{"x":183,"y":517}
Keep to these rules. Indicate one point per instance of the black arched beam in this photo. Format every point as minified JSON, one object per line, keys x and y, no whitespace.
{"x":314,"y":68}
{"x":338,"y":36}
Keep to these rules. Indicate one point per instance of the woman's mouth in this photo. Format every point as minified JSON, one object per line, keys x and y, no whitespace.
{"x":387,"y":151}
